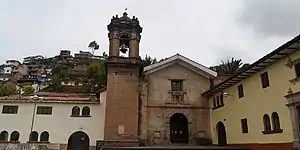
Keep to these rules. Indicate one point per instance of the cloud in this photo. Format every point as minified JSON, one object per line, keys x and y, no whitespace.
{"x":205,"y":31}
{"x":271,"y":17}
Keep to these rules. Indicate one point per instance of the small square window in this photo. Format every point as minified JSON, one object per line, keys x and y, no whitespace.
{"x":176,"y":85}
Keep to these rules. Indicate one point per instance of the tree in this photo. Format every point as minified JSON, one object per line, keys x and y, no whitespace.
{"x":56,"y":83}
{"x":96,"y":75}
{"x":28,"y":90}
{"x":94,"y":46}
{"x":148,"y":61}
{"x":229,"y":67}
{"x":7,"y":90}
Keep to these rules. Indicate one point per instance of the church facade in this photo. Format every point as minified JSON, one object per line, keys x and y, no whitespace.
{"x":161,"y":104}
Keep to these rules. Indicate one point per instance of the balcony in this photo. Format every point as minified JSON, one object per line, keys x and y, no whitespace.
{"x":177,"y":97}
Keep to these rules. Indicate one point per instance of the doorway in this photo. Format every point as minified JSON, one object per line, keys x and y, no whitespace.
{"x":222,"y":139}
{"x":79,"y":141}
{"x":179,"y":130}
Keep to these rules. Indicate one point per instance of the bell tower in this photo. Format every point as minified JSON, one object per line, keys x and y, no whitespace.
{"x":123,"y":78}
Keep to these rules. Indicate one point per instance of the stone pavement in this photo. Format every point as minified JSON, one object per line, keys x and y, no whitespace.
{"x":175,"y":147}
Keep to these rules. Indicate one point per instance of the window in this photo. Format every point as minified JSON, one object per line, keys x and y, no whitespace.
{"x":214,"y":102}
{"x":241,"y":91}
{"x":44,"y":110}
{"x":244,"y":125}
{"x":14,"y":136}
{"x":218,"y":101}
{"x":33,"y":136}
{"x":85,"y":111}
{"x":4,"y":136}
{"x":265,"y":80}
{"x":267,"y":123}
{"x":9,"y":109}
{"x":176,"y":85}
{"x":297,"y":69}
{"x":222,"y":99}
{"x":44,"y":136}
{"x":75,"y":111}
{"x":275,"y":121}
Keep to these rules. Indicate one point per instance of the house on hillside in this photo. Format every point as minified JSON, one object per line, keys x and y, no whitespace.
{"x":11,"y":67}
{"x":29,"y":59}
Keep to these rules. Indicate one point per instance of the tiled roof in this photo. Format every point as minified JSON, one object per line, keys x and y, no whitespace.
{"x":46,"y":97}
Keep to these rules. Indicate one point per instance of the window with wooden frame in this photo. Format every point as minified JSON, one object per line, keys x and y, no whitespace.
{"x":240,"y":91}
{"x":8,"y":109}
{"x":218,"y":101}
{"x":222,"y":98}
{"x":267,"y":123}
{"x":177,"y":85}
{"x":14,"y":136}
{"x":44,"y":110}
{"x":86,"y":111}
{"x":4,"y":136}
{"x":244,"y":124}
{"x":275,"y":121}
{"x":75,"y":111}
{"x":214,"y":102}
{"x":44,"y":136}
{"x":33,"y":137}
{"x":265,"y":80}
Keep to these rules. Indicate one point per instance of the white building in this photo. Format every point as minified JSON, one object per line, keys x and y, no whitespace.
{"x":11,"y":66}
{"x":55,"y":121}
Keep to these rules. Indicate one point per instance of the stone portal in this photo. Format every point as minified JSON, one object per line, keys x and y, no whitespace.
{"x":179,"y":130}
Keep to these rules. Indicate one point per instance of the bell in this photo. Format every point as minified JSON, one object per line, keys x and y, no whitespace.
{"x":123,"y":48}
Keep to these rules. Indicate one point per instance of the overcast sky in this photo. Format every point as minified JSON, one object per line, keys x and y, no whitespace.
{"x":203,"y":30}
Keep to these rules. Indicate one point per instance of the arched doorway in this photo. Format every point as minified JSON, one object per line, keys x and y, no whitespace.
{"x":179,"y":129}
{"x":79,"y":141}
{"x":222,"y":139}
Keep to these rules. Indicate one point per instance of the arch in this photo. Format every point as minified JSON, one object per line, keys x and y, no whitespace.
{"x":222,"y":138}
{"x":79,"y":141}
{"x":14,"y":136}
{"x":275,"y":121}
{"x":44,"y":136}
{"x":86,"y":111}
{"x":4,"y":136}
{"x":33,"y":136}
{"x":179,"y":130}
{"x":124,"y":36}
{"x":267,"y":123}
{"x":75,"y":111}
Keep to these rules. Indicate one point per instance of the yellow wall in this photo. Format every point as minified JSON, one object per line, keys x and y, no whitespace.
{"x":255,"y":103}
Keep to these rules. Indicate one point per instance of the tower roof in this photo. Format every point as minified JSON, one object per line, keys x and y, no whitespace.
{"x":124,"y":22}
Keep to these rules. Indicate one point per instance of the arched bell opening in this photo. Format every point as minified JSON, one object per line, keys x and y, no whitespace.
{"x":124,"y":45}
